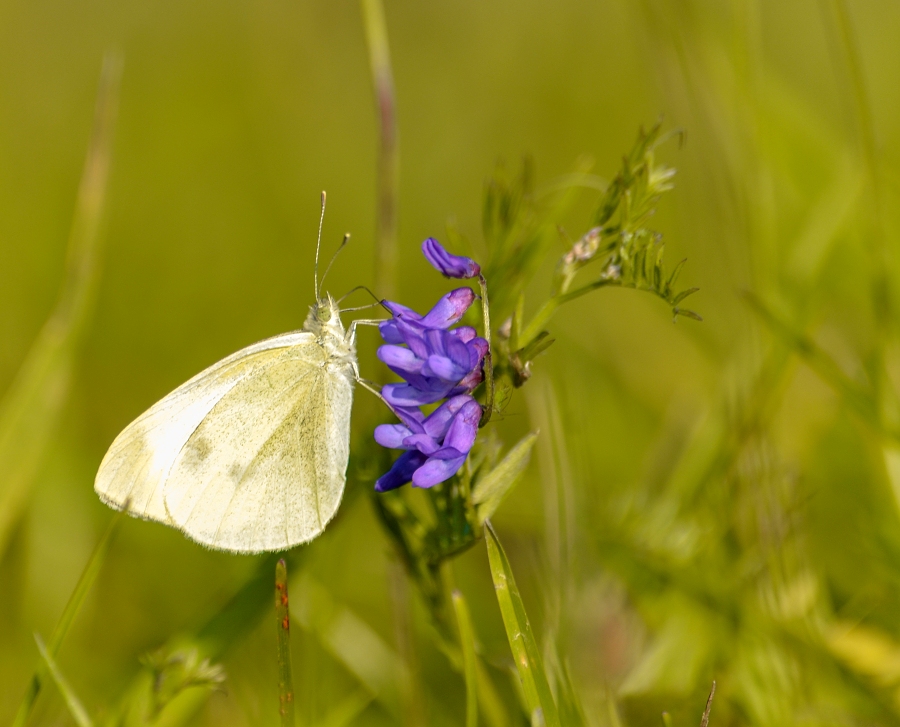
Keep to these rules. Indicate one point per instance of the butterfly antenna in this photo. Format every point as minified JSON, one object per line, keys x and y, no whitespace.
{"x":333,"y":258}
{"x":360,"y":287}
{"x":318,"y":245}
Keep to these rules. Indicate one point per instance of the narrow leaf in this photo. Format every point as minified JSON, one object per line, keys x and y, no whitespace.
{"x":674,"y":276}
{"x":687,"y":313}
{"x":73,"y":606}
{"x":79,"y":713}
{"x":526,"y":655}
{"x":31,"y":407}
{"x":490,"y":489}
{"x":470,"y":664}
{"x":683,"y":294}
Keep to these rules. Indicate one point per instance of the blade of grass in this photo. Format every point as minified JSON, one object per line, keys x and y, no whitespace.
{"x":858,"y":398}
{"x":283,"y":623}
{"x":354,"y":644}
{"x":348,"y":710}
{"x":79,"y":713}
{"x":85,"y":581}
{"x":31,"y":407}
{"x":518,"y":630}
{"x":470,"y":664}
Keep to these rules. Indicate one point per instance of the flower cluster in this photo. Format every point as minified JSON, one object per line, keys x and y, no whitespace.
{"x":436,"y":362}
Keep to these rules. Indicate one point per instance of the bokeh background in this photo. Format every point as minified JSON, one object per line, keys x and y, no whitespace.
{"x":711,"y":500}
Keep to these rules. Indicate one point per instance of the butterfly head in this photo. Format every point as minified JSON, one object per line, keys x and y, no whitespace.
{"x":325,"y":318}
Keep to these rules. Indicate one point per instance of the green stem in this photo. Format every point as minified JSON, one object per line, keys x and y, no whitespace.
{"x":283,"y":625}
{"x":546,"y":311}
{"x":488,"y":358}
{"x":388,"y":151}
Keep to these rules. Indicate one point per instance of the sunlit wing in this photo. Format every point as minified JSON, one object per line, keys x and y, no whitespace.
{"x":265,"y":469}
{"x":139,"y":461}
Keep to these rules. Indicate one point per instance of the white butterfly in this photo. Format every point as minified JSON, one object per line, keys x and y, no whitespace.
{"x":251,"y":454}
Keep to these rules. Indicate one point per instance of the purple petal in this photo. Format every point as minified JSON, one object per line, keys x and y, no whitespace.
{"x":464,"y":427}
{"x":400,"y":360}
{"x":401,"y":471}
{"x":444,"y":368}
{"x":478,"y":349}
{"x":401,"y":311}
{"x":438,"y":422}
{"x":464,"y":333}
{"x":406,"y":395}
{"x":443,"y":343}
{"x":389,"y":332}
{"x":449,"y":309}
{"x":452,"y":266}
{"x":392,"y":435}
{"x":411,"y":416}
{"x":405,"y":364}
{"x":435,"y":471}
{"x":425,"y":444}
{"x":413,"y":335}
{"x":469,"y":383}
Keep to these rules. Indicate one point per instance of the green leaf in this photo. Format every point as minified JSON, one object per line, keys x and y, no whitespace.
{"x":79,"y":713}
{"x":540,"y":344}
{"x":687,"y":313}
{"x":470,"y":663}
{"x":683,"y":294}
{"x":490,"y":489}
{"x":674,"y":275}
{"x":526,"y":655}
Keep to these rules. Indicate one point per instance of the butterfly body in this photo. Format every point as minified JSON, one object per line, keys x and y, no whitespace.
{"x":251,"y":454}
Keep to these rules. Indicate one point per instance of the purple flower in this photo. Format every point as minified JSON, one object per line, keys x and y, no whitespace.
{"x":435,"y":363}
{"x":451,"y":266}
{"x":436,"y":446}
{"x":447,"y":311}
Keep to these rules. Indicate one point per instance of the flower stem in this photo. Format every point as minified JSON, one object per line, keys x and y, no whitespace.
{"x":488,"y":357}
{"x":283,"y":619}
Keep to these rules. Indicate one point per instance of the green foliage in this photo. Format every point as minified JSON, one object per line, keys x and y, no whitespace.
{"x":539,"y":701}
{"x":173,"y":672}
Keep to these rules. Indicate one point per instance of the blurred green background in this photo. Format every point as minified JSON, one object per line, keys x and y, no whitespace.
{"x":708,"y":501}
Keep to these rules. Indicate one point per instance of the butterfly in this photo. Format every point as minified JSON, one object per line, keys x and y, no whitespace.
{"x":251,"y":454}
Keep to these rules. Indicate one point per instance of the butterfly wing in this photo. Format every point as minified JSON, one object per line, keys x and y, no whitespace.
{"x":249,"y":455}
